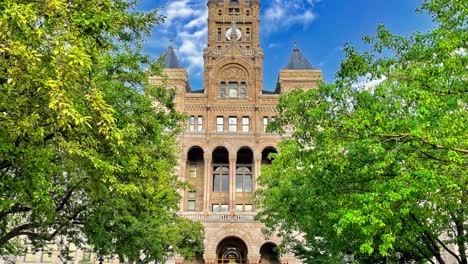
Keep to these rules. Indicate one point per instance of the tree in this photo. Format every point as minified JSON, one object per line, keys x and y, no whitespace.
{"x":378,"y":169}
{"x":87,"y":145}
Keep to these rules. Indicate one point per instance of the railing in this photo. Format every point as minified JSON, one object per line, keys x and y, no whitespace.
{"x":218,"y":217}
{"x":247,"y":52}
{"x":237,"y":18}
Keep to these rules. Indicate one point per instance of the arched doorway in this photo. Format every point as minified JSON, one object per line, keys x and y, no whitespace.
{"x":231,"y":250}
{"x":269,"y":254}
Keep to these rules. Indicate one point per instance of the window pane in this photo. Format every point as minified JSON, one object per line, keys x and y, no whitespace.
{"x":233,"y":89}
{"x":220,"y":124}
{"x":265,"y":123}
{"x":239,"y":208}
{"x":248,"y":183}
{"x":245,"y":124}
{"x":224,"y":208}
{"x":215,"y":208}
{"x":193,"y":169}
{"x":248,"y":208}
{"x":192,"y":124}
{"x":191,"y":206}
{"x":223,"y":90}
{"x":232,"y":124}
{"x":216,"y":182}
{"x":243,"y":90}
{"x":200,"y":124}
{"x":225,"y":183}
{"x":239,"y":182}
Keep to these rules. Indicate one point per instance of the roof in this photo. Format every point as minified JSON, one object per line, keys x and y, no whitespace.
{"x":170,"y":59}
{"x":297,"y":61}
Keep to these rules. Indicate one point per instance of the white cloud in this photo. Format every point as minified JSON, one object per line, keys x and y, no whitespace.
{"x":282,"y":14}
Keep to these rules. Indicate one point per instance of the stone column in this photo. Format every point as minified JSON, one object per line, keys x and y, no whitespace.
{"x":207,"y":157}
{"x":257,"y":167}
{"x":232,"y":182}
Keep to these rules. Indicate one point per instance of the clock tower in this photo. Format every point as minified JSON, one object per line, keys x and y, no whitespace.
{"x":233,"y":57}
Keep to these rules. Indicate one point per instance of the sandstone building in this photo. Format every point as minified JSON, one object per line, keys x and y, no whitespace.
{"x":225,"y":142}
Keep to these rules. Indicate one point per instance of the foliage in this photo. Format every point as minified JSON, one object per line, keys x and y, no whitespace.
{"x":378,"y":169}
{"x":84,"y":154}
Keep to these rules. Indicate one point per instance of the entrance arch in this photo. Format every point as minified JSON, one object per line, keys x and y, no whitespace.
{"x":231,"y":250}
{"x":269,"y":254}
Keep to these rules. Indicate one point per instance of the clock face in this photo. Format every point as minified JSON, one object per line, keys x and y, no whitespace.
{"x":229,"y":33}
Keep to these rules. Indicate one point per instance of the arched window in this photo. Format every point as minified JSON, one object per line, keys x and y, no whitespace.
{"x":234,"y":3}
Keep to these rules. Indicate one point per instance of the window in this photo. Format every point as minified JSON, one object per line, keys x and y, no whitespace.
{"x":220,"y":12}
{"x":223,"y":208}
{"x":219,"y":34}
{"x":220,"y":124}
{"x":191,"y":194}
{"x":243,"y":88}
{"x":244,"y":208}
{"x":220,"y":179}
{"x":247,"y":12}
{"x":193,"y":168}
{"x":234,"y":3}
{"x":222,"y":89}
{"x":233,"y":92}
{"x":265,"y":123}
{"x":244,"y":179}
{"x":245,"y":124}
{"x":200,"y":124}
{"x":192,"y":124}
{"x":247,"y":34}
{"x":30,"y":254}
{"x":232,"y":124}
{"x":191,"y":206}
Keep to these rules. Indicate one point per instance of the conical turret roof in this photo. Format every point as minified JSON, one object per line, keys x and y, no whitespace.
{"x":170,"y":59}
{"x":297,"y":61}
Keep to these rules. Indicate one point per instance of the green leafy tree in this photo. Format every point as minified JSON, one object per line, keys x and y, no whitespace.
{"x":378,"y":169}
{"x":87,"y":145}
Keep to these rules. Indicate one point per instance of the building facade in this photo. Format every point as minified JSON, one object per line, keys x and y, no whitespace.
{"x":225,"y":142}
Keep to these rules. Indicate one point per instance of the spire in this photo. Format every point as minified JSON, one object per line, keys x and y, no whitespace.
{"x":297,"y":61}
{"x":170,"y":58}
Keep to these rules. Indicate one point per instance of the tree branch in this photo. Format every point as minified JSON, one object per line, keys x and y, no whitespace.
{"x":464,"y":151}
{"x":15,"y":209}
{"x":448,"y":250}
{"x":14,"y":233}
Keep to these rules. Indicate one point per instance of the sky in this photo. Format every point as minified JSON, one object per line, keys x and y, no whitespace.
{"x":320,"y":27}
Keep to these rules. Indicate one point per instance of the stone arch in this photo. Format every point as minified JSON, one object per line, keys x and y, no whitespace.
{"x":268,"y":253}
{"x":265,"y":153}
{"x":233,"y":72}
{"x":232,"y":249}
{"x":220,"y":143}
{"x":246,"y":65}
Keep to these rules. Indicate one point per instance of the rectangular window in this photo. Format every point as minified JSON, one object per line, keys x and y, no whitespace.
{"x":248,"y":208}
{"x":245,"y":124}
{"x":193,"y":169}
{"x":220,"y":124}
{"x":215,"y":208}
{"x":200,"y":124}
{"x":216,"y":182}
{"x":225,"y":183}
{"x":224,"y":208}
{"x":191,"y":206}
{"x":243,"y":88}
{"x":232,"y":124}
{"x":265,"y":123}
{"x":192,"y":124}
{"x":248,"y":183}
{"x":233,"y":89}
{"x":239,"y":208}
{"x":222,"y":92}
{"x":219,"y":34}
{"x":247,"y":34}
{"x":239,"y":182}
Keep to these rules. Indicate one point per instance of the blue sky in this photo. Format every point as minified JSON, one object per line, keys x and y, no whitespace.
{"x":321,"y":28}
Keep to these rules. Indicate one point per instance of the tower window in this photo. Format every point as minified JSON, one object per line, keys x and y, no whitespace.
{"x":232,"y":124}
{"x":234,"y":3}
{"x":234,"y":11}
{"x":220,"y":124}
{"x":192,"y":124}
{"x":245,"y":124}
{"x":247,"y":12}
{"x":222,"y":92}
{"x":200,"y":124}
{"x":220,"y":12}
{"x":233,"y":89}
{"x":243,"y":89}
{"x":219,"y":34}
{"x":247,"y":34}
